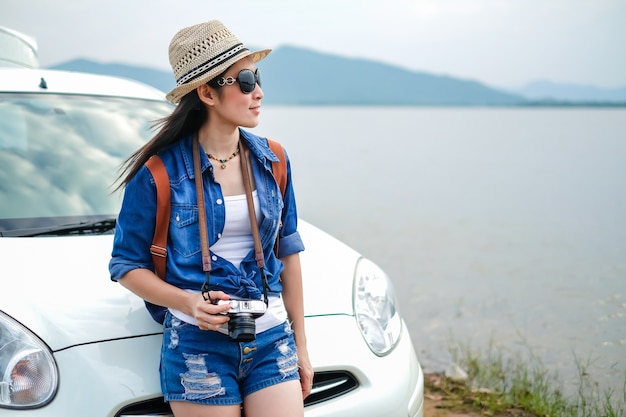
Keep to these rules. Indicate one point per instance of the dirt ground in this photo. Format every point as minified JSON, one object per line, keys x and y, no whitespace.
{"x":439,"y":401}
{"x":434,"y":406}
{"x":439,"y":405}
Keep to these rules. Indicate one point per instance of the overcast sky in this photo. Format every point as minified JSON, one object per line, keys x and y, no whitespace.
{"x":503,"y":43}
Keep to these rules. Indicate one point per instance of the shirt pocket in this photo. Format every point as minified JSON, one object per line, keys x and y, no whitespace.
{"x":184,"y":232}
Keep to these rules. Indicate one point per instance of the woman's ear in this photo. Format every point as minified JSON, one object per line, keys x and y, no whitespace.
{"x":207,"y":94}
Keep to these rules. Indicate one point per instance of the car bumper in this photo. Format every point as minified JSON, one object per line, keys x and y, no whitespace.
{"x":388,"y":386}
{"x":103,"y":378}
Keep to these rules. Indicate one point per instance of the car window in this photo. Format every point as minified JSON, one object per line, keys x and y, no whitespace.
{"x":60,"y":154}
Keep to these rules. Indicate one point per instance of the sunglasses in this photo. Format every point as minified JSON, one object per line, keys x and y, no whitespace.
{"x":246,"y":79}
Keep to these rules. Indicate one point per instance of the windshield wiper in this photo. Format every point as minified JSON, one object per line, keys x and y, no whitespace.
{"x":96,"y":227}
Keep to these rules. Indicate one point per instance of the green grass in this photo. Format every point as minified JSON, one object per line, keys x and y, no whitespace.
{"x":496,"y":383}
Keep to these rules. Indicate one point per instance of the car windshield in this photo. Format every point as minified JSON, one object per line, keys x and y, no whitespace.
{"x":60,"y":157}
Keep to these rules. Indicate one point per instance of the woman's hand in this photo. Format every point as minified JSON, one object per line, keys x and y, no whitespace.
{"x":207,"y":313}
{"x":306,"y":372}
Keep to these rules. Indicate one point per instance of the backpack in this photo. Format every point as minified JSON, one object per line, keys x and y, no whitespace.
{"x":158,"y":249}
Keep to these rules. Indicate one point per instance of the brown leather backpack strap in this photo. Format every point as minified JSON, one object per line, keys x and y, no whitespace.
{"x":280,"y":173}
{"x":159,"y":240}
{"x":279,"y":168}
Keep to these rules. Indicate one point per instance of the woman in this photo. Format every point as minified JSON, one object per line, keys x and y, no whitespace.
{"x":204,"y":372}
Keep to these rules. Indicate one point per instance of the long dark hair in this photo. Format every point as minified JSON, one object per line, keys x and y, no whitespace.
{"x":186,"y":118}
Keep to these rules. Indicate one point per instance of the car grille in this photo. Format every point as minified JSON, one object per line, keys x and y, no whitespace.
{"x":326,"y":385}
{"x":330,"y":384}
{"x":150,"y":408}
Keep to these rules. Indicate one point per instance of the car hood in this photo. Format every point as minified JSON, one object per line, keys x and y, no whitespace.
{"x":59,"y":287}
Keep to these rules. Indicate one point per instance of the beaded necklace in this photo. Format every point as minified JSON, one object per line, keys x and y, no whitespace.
{"x":224,"y":161}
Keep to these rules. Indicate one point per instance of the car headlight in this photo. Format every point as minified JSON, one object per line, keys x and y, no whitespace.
{"x":375,"y":307}
{"x":28,"y":372}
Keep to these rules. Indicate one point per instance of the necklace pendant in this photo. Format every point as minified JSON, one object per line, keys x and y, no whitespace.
{"x":223,"y":166}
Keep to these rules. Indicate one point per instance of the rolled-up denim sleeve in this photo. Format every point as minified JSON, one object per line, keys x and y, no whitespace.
{"x":290,"y":244}
{"x":135,"y":227}
{"x":290,"y":240}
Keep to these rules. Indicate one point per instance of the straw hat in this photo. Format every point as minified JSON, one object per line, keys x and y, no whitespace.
{"x":201,"y":52}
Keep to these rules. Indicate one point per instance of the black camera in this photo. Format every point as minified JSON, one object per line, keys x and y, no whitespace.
{"x":242,"y":313}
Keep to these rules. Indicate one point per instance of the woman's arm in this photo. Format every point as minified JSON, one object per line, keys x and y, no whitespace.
{"x":151,"y":288}
{"x":294,"y":304}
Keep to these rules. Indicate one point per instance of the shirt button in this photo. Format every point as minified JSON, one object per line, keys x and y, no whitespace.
{"x":214,"y":258}
{"x":219,"y":201}
{"x":219,"y":235}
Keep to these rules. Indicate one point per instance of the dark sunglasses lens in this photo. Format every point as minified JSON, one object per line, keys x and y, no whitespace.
{"x":247,"y":80}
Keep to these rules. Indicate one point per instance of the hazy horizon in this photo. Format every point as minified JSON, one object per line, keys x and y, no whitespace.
{"x":504,"y":44}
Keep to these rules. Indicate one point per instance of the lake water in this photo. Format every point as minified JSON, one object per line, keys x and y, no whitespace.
{"x":498,"y":226}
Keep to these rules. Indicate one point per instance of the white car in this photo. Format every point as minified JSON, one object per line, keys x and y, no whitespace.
{"x":73,"y":343}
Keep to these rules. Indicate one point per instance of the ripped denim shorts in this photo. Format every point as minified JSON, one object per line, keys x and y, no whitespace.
{"x":206,"y":367}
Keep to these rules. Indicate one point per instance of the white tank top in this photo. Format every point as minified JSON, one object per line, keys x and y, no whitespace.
{"x":236,"y":240}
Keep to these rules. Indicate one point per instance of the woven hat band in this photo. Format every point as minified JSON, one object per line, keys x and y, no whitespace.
{"x":209,"y":65}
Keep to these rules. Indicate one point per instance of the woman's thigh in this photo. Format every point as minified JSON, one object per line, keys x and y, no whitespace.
{"x":280,"y":400}
{"x":187,"y":409}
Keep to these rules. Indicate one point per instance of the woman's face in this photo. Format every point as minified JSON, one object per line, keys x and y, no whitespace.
{"x":233,"y":107}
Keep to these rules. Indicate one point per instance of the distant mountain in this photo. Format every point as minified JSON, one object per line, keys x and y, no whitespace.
{"x":298,"y":76}
{"x":548,"y":90}
{"x":304,"y":77}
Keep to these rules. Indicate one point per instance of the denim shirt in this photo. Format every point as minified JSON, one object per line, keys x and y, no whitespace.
{"x":136,"y":223}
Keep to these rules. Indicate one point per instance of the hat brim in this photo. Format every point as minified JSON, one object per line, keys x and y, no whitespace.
{"x":179,"y":92}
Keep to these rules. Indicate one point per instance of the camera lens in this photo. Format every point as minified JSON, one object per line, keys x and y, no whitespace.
{"x":241,"y":327}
